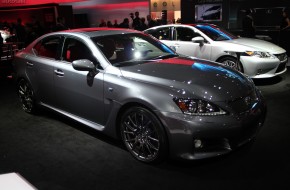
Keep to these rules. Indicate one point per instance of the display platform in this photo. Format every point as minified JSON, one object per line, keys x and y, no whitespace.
{"x":14,"y":181}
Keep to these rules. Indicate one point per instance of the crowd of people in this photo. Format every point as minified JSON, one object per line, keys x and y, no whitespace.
{"x":135,"y":22}
{"x":23,"y":33}
{"x":26,"y":33}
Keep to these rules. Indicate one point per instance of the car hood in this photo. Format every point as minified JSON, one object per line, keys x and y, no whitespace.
{"x":192,"y":78}
{"x":250,"y":44}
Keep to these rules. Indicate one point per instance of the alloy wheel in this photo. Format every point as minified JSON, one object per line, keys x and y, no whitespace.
{"x":142,"y":134}
{"x":232,"y":63}
{"x":26,"y":96}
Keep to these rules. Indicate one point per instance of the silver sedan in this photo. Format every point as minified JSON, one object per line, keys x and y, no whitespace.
{"x":256,"y":58}
{"x":130,"y":86}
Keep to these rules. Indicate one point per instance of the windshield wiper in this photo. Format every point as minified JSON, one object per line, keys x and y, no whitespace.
{"x":130,"y":62}
{"x":165,"y":56}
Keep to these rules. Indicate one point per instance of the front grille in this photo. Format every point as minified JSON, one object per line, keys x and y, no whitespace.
{"x":282,"y":57}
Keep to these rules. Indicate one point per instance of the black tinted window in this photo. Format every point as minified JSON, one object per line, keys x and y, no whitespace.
{"x":48,"y":47}
{"x":161,"y":34}
{"x":185,"y":34}
{"x":75,"y":49}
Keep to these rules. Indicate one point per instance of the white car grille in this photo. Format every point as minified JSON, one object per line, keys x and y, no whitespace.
{"x":282,"y":57}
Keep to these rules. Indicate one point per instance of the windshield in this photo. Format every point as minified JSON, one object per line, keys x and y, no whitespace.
{"x":132,"y":48}
{"x":216,"y":33}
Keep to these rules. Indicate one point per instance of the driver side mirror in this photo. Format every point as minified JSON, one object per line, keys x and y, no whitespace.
{"x":83,"y":65}
{"x":199,"y":40}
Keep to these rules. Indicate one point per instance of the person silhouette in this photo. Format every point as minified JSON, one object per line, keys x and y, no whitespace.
{"x":285,"y":31}
{"x":248,"y":25}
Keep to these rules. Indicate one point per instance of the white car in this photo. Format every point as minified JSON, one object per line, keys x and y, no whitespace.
{"x":256,"y":58}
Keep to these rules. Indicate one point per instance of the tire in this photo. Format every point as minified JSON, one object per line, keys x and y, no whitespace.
{"x":26,"y":96}
{"x":232,"y":63}
{"x":143,"y":135}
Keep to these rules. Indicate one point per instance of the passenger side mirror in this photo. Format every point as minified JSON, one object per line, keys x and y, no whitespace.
{"x":83,"y":65}
{"x":198,"y":39}
{"x":173,"y":48}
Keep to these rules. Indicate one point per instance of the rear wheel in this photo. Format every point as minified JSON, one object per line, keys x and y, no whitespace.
{"x":143,"y":135}
{"x":232,"y":62}
{"x":26,"y":96}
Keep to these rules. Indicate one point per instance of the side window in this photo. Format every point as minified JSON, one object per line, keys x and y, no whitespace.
{"x":47,"y":47}
{"x":185,"y":34}
{"x":74,"y":49}
{"x":161,"y":34}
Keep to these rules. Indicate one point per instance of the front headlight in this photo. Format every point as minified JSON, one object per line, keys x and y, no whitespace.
{"x":260,"y":54}
{"x":197,"y":107}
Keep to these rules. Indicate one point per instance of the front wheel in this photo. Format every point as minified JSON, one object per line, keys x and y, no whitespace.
{"x":26,"y":96}
{"x":143,"y":135}
{"x":232,"y":63}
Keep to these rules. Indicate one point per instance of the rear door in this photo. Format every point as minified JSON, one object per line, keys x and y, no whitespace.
{"x":39,"y":67}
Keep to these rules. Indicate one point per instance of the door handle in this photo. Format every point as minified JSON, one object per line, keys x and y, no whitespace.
{"x":59,"y":72}
{"x":29,"y":64}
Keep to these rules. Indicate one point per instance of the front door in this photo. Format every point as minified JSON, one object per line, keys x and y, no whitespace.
{"x":77,"y":92}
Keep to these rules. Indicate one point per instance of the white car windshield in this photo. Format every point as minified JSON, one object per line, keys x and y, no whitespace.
{"x":216,"y":33}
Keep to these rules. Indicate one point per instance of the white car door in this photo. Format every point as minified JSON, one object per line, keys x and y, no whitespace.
{"x":183,"y":44}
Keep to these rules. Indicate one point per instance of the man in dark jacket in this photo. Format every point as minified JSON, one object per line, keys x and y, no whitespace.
{"x":248,"y":25}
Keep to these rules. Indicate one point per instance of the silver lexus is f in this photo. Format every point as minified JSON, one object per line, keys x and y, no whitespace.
{"x":132,"y":87}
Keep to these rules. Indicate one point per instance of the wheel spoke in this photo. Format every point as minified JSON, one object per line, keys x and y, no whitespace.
{"x":148,"y":148}
{"x":142,"y":119}
{"x":129,"y":132}
{"x":130,"y":127}
{"x":141,"y":151}
{"x":148,"y":123}
{"x":153,"y":139}
{"x":131,"y":140}
{"x":152,"y":146}
{"x":131,"y":120}
{"x":21,"y":91}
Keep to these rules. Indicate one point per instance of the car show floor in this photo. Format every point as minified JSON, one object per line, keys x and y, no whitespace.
{"x":52,"y":152}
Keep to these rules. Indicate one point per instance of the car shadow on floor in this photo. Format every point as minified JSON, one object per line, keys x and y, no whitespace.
{"x":268,"y":81}
{"x":50,"y":114}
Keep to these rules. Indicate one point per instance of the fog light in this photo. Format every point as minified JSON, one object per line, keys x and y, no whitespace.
{"x":197,"y":143}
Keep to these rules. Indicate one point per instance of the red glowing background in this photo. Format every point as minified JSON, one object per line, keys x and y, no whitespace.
{"x":115,"y":6}
{"x":12,"y":3}
{"x":96,"y":10}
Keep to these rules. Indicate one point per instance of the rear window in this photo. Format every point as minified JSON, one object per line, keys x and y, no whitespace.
{"x":47,"y":47}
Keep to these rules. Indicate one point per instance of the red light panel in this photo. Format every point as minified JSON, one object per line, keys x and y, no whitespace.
{"x":13,"y":3}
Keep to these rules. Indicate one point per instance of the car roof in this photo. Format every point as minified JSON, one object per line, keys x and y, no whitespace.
{"x":97,"y":31}
{"x":193,"y":25}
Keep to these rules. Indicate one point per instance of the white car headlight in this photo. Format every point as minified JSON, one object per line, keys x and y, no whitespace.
{"x":198,"y":107}
{"x":260,"y":54}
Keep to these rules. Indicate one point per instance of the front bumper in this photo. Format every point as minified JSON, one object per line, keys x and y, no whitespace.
{"x":256,"y":67}
{"x":198,"y":137}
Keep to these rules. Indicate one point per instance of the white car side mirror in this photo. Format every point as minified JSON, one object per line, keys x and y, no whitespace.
{"x":198,"y":39}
